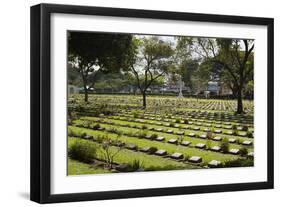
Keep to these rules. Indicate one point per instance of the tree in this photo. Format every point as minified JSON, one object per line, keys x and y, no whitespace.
{"x":233,"y":55}
{"x":90,"y":53}
{"x":109,"y":152}
{"x":151,"y":60}
{"x":186,"y":63}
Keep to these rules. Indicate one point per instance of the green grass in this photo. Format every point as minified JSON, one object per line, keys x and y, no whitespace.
{"x":167,"y":136}
{"x":128,"y":106}
{"x":187,"y":131}
{"x":207,"y":156}
{"x":149,"y":162}
{"x":78,"y":168}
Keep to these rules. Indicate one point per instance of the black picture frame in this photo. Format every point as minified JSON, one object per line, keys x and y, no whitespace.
{"x":41,"y":96}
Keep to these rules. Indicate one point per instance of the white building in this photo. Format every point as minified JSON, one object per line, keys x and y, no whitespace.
{"x":72,"y":89}
{"x":213,"y":87}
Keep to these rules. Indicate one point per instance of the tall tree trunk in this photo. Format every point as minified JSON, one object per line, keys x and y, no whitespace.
{"x":239,"y":101}
{"x":85,"y":93}
{"x":144,"y":99}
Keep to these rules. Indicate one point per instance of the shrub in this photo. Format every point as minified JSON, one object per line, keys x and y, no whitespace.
{"x":142,"y":134}
{"x":112,"y":130}
{"x":152,"y":150}
{"x":240,"y":163}
{"x":131,"y":133}
{"x":172,"y":124}
{"x":245,"y":128}
{"x":209,"y":135}
{"x":235,"y":132}
{"x":154,"y":136}
{"x":135,"y":114}
{"x":98,"y":138}
{"x":144,"y":127}
{"x":96,"y":126}
{"x":243,"y":151}
{"x":186,"y":121}
{"x":178,"y":120}
{"x":70,"y":132}
{"x":250,"y":134}
{"x":224,"y":145}
{"x":119,"y":132}
{"x":83,"y":134}
{"x":135,"y":165}
{"x":208,"y":144}
{"x":82,"y":151}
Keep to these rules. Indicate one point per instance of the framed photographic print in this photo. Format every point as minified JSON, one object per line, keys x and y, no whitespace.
{"x":132,"y":103}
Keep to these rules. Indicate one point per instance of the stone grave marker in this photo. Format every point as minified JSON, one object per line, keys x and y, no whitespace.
{"x":216,"y":148}
{"x":160,"y":139}
{"x":88,"y":137}
{"x":203,"y":136}
{"x":122,"y":167}
{"x":161,"y":152}
{"x":145,"y":149}
{"x":228,"y":127}
{"x":177,"y":155}
{"x":185,"y":143}
{"x":246,"y":142}
{"x":173,"y":141}
{"x":234,"y":151}
{"x":131,"y":146}
{"x":242,"y":134}
{"x":250,"y":154}
{"x":195,"y":159}
{"x":180,"y":132}
{"x":206,"y":129}
{"x":229,"y":132}
{"x":214,"y":163}
{"x":231,"y":140}
{"x":148,"y":136}
{"x":200,"y":145}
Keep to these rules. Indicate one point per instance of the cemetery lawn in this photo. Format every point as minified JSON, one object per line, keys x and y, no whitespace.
{"x":115,"y":125}
{"x":79,"y":168}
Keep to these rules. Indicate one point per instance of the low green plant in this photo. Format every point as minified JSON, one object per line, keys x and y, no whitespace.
{"x":135,"y":114}
{"x":144,"y":127}
{"x":243,"y":151}
{"x":135,"y":165}
{"x":70,"y":132}
{"x":82,"y":151}
{"x":208,"y":144}
{"x":250,"y":134}
{"x":242,"y":162}
{"x":96,"y":126}
{"x":142,"y":133}
{"x":152,"y":150}
{"x":154,"y":136}
{"x":245,"y":128}
{"x":224,"y":145}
